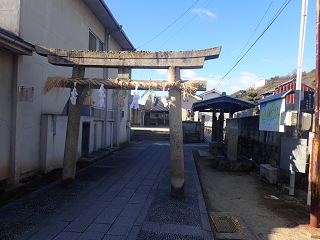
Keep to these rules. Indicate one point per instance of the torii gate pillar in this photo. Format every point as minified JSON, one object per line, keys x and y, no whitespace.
{"x":176,"y":140}
{"x":71,"y":146}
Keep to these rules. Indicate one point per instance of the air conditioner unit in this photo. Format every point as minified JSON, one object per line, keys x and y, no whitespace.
{"x":289,"y":118}
{"x":110,"y":116}
{"x":305,"y":121}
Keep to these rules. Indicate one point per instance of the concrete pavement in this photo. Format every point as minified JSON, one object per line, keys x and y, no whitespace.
{"x":124,"y":196}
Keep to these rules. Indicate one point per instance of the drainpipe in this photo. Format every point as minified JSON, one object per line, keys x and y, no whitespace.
{"x":14,"y":164}
{"x":17,"y":42}
{"x":106,"y":76}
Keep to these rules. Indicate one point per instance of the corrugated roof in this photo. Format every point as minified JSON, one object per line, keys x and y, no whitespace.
{"x":290,"y":81}
{"x":276,"y":96}
{"x":283,"y":84}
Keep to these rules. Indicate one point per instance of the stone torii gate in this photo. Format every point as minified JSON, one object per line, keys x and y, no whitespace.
{"x":124,"y":61}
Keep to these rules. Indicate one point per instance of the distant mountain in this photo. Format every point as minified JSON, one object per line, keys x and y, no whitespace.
{"x":308,"y":78}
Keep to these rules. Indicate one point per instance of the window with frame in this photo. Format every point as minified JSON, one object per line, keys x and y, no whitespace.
{"x":94,"y":43}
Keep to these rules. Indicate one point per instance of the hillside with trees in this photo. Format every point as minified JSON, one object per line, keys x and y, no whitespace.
{"x":308,"y":78}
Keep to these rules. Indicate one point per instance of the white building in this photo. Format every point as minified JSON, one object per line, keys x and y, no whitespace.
{"x":259,"y":83}
{"x":186,"y":105}
{"x":33,"y":125}
{"x":208,"y":95}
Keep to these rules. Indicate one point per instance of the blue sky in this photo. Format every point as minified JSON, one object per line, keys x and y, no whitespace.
{"x":230,"y":24}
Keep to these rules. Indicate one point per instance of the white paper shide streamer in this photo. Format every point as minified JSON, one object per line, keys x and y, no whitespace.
{"x":164,"y":97}
{"x":101,"y":96}
{"x":135,"y":100}
{"x":74,"y":95}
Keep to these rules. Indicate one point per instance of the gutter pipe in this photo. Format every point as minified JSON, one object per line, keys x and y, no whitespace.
{"x":26,"y":46}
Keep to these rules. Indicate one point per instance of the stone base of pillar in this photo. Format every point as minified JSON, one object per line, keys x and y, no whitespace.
{"x":178,"y":192}
{"x":67,"y":183}
{"x":213,"y":146}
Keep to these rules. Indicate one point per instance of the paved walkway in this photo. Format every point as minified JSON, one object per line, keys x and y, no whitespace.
{"x":207,"y":137}
{"x":124,"y":196}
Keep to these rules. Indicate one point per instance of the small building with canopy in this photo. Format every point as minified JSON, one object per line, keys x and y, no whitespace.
{"x":222,"y":104}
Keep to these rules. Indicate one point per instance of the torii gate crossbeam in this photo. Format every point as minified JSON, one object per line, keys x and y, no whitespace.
{"x":124,"y":59}
{"x":173,"y":61}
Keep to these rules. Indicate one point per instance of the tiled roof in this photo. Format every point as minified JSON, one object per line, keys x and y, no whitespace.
{"x":158,"y":106}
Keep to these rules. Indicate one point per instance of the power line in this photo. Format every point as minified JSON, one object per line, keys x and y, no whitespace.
{"x":179,"y":29}
{"x":185,"y":24}
{"x":284,"y":5}
{"x":169,"y":25}
{"x":253,"y":33}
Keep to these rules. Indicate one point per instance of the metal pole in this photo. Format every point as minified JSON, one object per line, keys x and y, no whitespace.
{"x":304,"y":10}
{"x":300,"y":62}
{"x":314,"y":213}
{"x":314,"y":210}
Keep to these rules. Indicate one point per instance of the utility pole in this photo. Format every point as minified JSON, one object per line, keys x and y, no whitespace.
{"x":303,"y":23}
{"x":314,"y":164}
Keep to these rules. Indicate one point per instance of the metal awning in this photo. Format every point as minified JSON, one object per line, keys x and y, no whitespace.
{"x":229,"y":104}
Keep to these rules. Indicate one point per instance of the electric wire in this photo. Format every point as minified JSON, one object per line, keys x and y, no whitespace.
{"x":186,"y":24}
{"x":179,"y":29}
{"x":253,"y":33}
{"x":284,"y":5}
{"x":169,"y":25}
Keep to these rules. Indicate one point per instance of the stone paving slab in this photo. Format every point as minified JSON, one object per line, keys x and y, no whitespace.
{"x":124,"y":196}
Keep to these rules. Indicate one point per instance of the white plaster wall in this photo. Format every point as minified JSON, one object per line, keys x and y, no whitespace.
{"x":59,"y":24}
{"x":10,"y":15}
{"x":52,"y":146}
{"x":6,"y":63}
{"x":29,"y":114}
{"x":187,"y":105}
{"x":208,"y":115}
{"x":114,"y":45}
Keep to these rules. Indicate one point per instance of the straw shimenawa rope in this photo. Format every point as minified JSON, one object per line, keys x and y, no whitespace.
{"x":188,"y":88}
